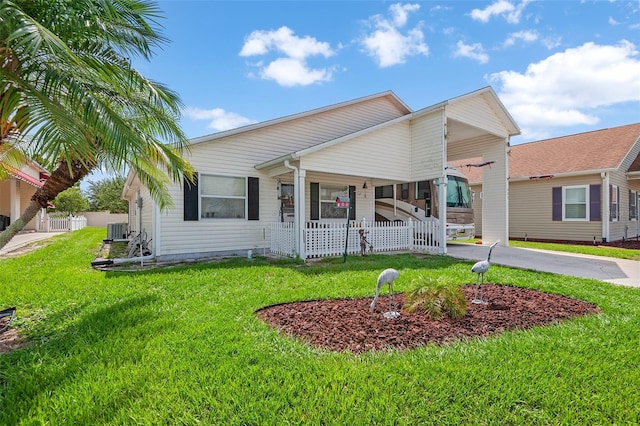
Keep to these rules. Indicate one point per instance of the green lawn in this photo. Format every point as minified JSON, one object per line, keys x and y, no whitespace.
{"x":183,"y":346}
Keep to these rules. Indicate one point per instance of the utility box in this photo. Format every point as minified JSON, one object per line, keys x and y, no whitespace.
{"x":116,"y":230}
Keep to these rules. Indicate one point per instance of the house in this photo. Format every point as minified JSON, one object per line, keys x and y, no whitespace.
{"x":291,"y":170}
{"x":582,"y":187}
{"x":16,"y":193}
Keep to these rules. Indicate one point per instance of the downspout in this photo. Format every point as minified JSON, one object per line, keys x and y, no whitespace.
{"x":605,"y":207}
{"x":297,"y":230}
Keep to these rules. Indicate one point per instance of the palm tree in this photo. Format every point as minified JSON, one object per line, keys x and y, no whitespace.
{"x":71,"y":97}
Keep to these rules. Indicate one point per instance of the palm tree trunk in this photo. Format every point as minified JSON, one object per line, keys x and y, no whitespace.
{"x":64,"y":177}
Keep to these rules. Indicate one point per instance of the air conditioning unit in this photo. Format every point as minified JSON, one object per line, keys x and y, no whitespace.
{"x":116,"y":230}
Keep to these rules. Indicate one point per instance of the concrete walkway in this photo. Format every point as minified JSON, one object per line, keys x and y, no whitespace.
{"x":615,"y":271}
{"x":24,"y":239}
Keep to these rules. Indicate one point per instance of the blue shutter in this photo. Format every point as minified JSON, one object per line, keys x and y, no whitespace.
{"x":556,"y":203}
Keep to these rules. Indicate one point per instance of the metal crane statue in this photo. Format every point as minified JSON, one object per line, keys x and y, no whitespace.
{"x":480,"y":268}
{"x":388,"y":276}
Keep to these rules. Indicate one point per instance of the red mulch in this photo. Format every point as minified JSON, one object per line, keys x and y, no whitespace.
{"x":346,"y":324}
{"x":628,"y":244}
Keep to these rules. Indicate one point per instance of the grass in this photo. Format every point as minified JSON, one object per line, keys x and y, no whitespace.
{"x":182,"y":346}
{"x":593,"y":250}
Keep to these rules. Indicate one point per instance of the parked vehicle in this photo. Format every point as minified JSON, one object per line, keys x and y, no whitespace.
{"x":419,"y":201}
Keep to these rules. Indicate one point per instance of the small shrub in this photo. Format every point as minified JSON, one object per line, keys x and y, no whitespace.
{"x":436,"y":297}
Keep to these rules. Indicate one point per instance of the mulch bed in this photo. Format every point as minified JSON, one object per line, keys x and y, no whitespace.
{"x":347,"y":325}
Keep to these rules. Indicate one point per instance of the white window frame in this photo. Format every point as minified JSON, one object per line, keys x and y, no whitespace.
{"x":634,"y":206}
{"x":615,"y":212}
{"x":202,"y":215}
{"x":344,"y":191}
{"x":564,"y":203}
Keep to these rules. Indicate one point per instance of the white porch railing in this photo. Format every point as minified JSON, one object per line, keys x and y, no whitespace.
{"x":50,"y":223}
{"x":328,"y":239}
{"x":283,"y":238}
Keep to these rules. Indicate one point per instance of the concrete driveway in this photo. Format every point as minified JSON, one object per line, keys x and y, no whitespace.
{"x":615,"y":271}
{"x":24,"y":239}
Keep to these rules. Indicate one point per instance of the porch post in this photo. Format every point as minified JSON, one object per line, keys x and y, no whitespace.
{"x":299,"y":214}
{"x":14,"y":200}
{"x":442,"y":214}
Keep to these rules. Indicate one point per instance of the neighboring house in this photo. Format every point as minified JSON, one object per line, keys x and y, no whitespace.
{"x":16,"y":193}
{"x":292,"y":169}
{"x":583,"y":187}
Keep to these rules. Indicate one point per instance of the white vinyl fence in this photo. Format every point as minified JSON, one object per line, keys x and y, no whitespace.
{"x":328,"y":239}
{"x":48,"y":223}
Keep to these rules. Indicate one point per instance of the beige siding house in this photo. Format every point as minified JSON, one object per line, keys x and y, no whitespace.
{"x":16,"y":193}
{"x":290,"y":170}
{"x":583,"y":187}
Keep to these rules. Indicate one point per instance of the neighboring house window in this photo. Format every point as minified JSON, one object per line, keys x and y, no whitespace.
{"x":222,"y":197}
{"x":633,"y":205}
{"x":575,"y":202}
{"x":583,"y":202}
{"x":615,"y":203}
{"x":328,"y":195}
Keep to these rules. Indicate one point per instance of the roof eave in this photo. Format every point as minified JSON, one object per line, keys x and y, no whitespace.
{"x":562,"y":174}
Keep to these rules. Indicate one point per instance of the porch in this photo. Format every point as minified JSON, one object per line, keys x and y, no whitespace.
{"x":326,"y":239}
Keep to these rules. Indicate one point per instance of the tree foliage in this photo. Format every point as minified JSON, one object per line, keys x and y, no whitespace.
{"x":70,"y":95}
{"x":106,"y":195}
{"x":71,"y":201}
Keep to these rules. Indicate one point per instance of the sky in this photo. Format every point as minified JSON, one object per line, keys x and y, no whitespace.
{"x":559,"y":67}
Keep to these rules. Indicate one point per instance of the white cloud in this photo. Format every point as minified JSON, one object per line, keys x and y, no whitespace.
{"x":503,"y":8}
{"x":472,"y":51}
{"x":387,"y":44}
{"x":567,"y":88}
{"x":531,"y":37}
{"x":526,"y":36}
{"x":292,"y":69}
{"x":291,"y":72}
{"x":218,"y":118}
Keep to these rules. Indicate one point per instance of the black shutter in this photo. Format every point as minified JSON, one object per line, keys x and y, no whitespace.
{"x":556,"y":202}
{"x":314,"y":188}
{"x":253,"y":198}
{"x":595,"y":212}
{"x":352,"y":197}
{"x":190,"y":191}
{"x":631,"y":214}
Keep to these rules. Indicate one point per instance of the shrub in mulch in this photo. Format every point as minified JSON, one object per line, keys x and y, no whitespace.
{"x":347,"y":325}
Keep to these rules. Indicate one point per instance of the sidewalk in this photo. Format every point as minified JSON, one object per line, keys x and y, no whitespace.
{"x":24,"y":239}
{"x":615,"y":271}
